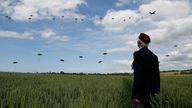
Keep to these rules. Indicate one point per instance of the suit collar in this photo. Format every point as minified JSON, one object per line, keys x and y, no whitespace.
{"x":143,"y":48}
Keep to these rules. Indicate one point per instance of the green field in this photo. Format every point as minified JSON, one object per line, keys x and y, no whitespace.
{"x":86,"y":91}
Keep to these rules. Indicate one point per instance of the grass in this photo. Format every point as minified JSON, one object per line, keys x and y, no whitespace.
{"x":175,"y":92}
{"x":86,"y":91}
{"x":68,"y":91}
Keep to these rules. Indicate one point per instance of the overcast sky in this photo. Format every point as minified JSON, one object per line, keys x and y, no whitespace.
{"x":67,"y":29}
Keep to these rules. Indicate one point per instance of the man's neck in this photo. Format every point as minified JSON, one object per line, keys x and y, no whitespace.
{"x":142,"y":47}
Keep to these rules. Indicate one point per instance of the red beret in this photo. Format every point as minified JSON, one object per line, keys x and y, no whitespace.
{"x":144,"y":37}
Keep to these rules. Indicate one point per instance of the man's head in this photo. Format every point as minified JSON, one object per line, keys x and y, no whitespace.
{"x":143,"y":40}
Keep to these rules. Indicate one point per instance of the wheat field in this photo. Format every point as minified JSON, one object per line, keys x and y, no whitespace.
{"x":24,"y":90}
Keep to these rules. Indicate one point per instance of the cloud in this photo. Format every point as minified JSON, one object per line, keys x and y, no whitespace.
{"x":166,"y":26}
{"x":123,"y":62}
{"x":41,"y":9}
{"x":128,"y":19}
{"x":13,"y":34}
{"x":88,"y":29}
{"x":179,"y":58}
{"x":51,"y":35}
{"x":174,"y":65}
{"x":116,"y":21}
{"x":128,"y":41}
{"x":118,"y":49}
{"x":174,"y":30}
{"x":124,"y":65}
{"x":122,"y":2}
{"x":169,"y":26}
{"x":182,"y":53}
{"x":166,"y":9}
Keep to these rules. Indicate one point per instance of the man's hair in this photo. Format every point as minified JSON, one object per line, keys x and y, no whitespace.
{"x":142,"y":44}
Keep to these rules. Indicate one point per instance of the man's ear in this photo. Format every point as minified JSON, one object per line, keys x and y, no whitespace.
{"x":139,"y":43}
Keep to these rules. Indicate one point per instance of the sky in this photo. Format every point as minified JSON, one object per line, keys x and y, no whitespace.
{"x":67,"y":29}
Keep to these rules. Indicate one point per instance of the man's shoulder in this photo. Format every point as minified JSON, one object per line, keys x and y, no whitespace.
{"x":140,"y":51}
{"x":136,"y":52}
{"x":144,"y":51}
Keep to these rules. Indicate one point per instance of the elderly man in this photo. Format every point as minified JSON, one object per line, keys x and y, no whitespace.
{"x":146,"y":73}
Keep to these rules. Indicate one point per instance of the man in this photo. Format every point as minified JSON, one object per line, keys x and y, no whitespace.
{"x":146,"y":73}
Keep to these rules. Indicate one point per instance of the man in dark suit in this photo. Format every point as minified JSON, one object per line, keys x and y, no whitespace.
{"x":146,"y":73}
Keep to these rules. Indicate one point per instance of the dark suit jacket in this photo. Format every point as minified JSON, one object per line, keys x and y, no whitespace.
{"x":146,"y":74}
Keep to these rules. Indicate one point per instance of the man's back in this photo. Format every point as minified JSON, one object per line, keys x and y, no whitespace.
{"x":146,"y":72}
{"x":150,"y":69}
{"x":146,"y":75}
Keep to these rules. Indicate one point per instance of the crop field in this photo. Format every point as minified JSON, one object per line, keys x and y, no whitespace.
{"x":19,"y":90}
